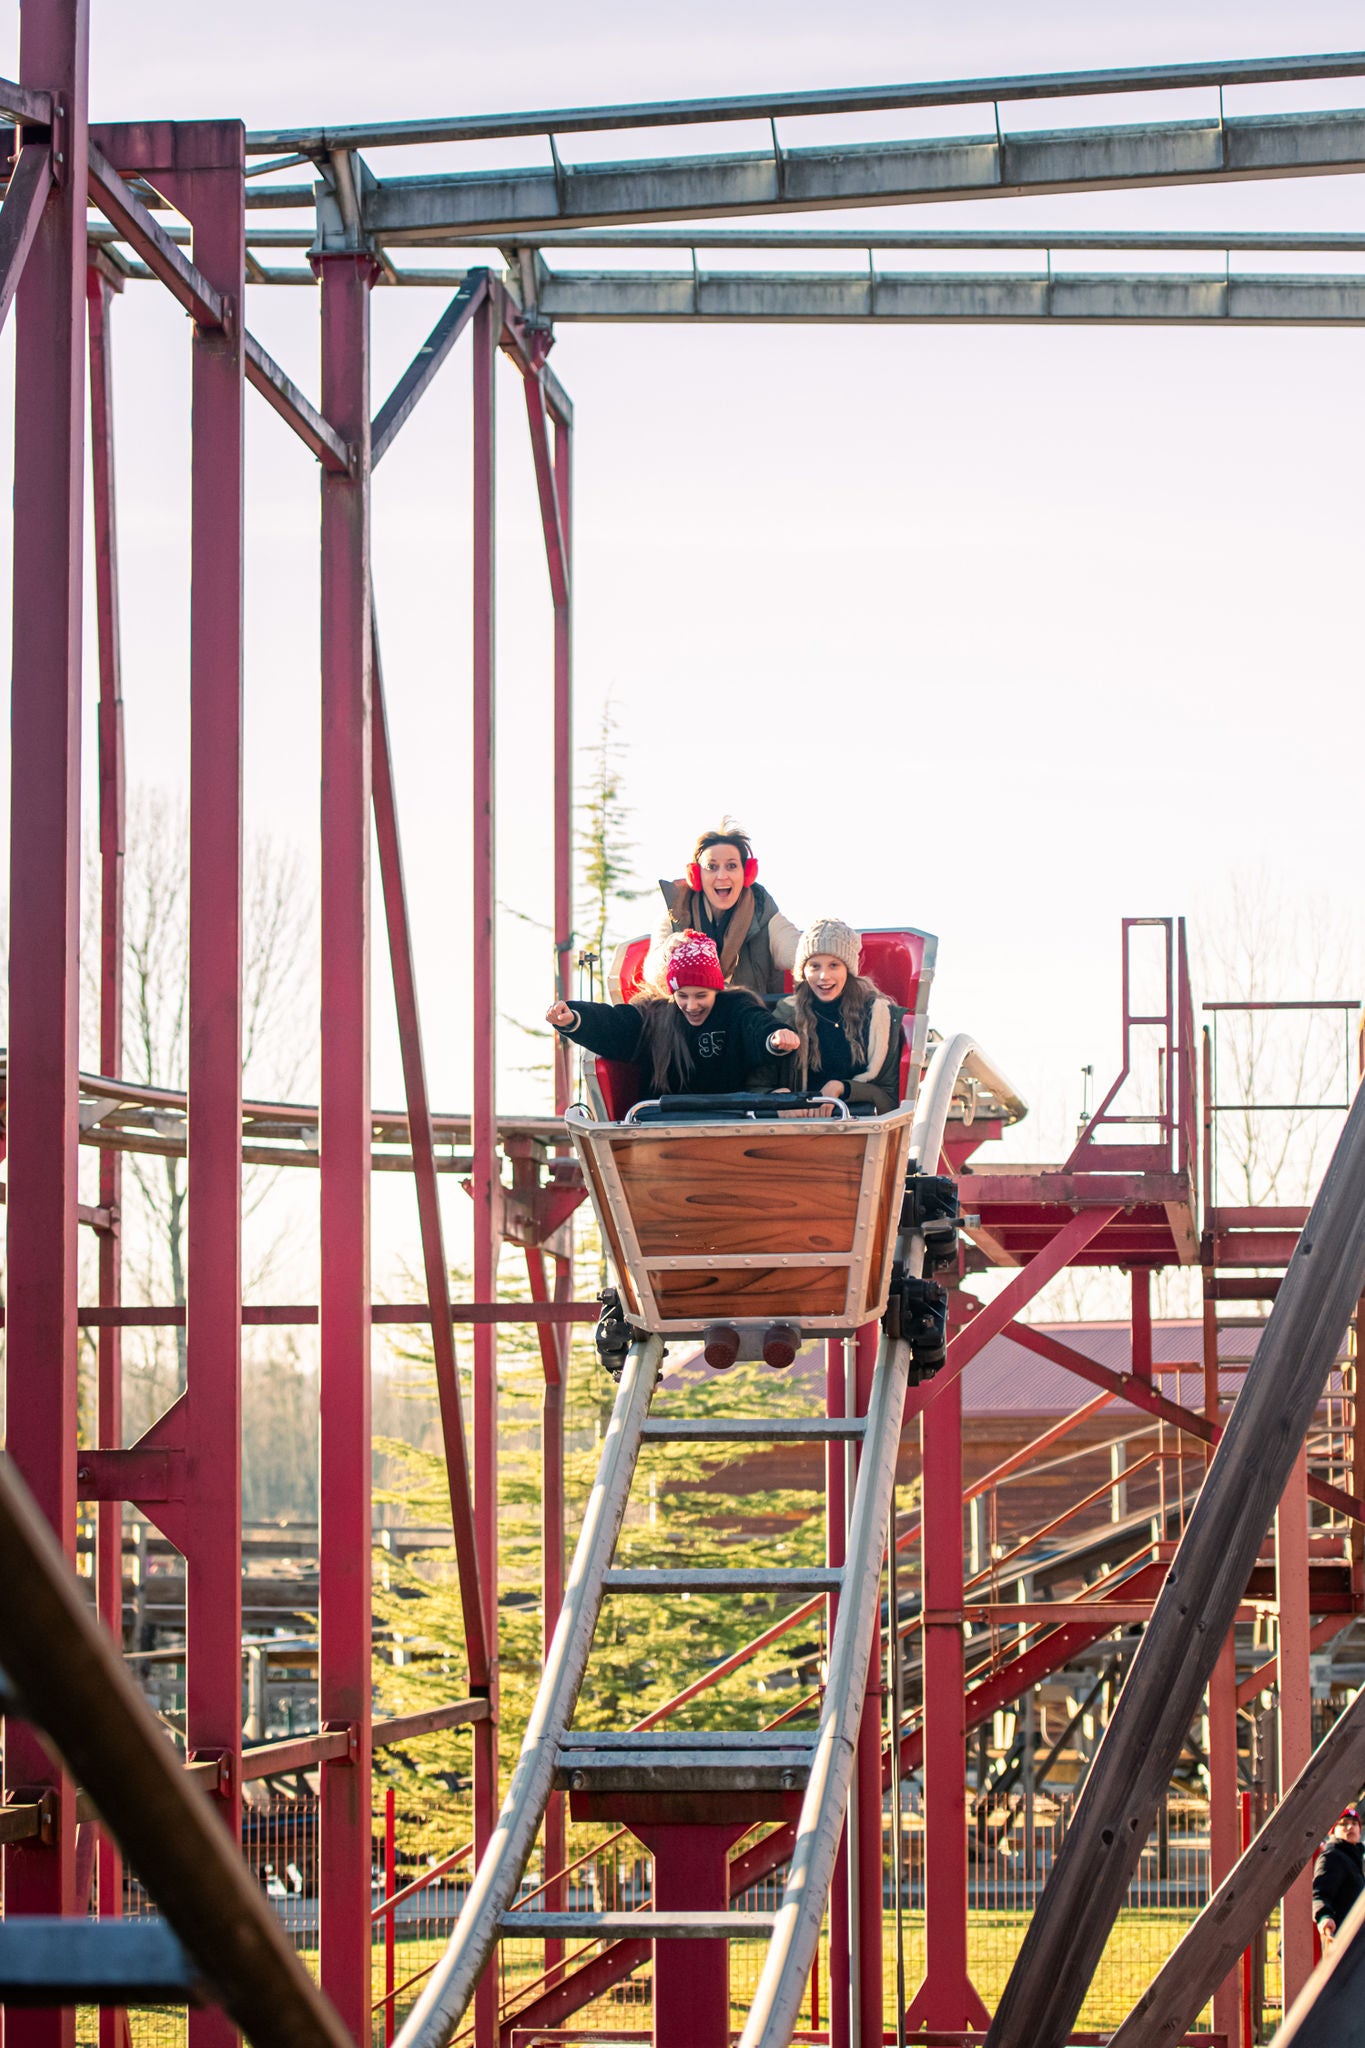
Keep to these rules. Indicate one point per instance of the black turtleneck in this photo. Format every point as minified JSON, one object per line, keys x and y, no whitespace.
{"x":834,"y":1054}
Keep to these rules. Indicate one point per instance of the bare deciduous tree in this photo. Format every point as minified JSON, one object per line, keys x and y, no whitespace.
{"x":278,"y":910}
{"x":1261,"y":948}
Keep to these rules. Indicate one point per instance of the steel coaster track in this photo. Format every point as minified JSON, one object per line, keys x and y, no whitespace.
{"x":450,"y":1988}
{"x":795,"y":1928}
{"x":796,"y":1933}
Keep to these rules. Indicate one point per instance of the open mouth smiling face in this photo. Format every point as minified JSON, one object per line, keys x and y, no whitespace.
{"x":722,"y":877}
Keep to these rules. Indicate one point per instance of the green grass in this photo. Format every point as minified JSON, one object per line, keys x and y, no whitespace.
{"x":1139,"y":1944}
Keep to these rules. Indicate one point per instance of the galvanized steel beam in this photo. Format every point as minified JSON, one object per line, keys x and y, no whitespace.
{"x":989,"y":166}
{"x":953,"y":298}
{"x":1046,"y":85}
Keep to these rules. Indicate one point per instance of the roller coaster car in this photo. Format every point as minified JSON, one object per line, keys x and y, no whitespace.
{"x":737,"y":1228}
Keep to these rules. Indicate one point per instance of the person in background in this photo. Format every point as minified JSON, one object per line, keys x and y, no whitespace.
{"x":721,"y":896}
{"x":848,"y":1033}
{"x":1338,"y":1874}
{"x":702,"y":1038}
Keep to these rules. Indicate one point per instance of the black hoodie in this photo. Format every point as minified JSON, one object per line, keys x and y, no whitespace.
{"x":726,"y":1049}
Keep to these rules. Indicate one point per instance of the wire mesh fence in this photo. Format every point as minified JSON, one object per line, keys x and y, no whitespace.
{"x":1010,"y":1850}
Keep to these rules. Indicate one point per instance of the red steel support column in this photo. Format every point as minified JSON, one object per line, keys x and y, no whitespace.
{"x":563,"y":744}
{"x":209,"y":187}
{"x":389,"y":842}
{"x":554,"y":1345}
{"x":836,"y":1530}
{"x":100,"y":290}
{"x":868,"y":1785}
{"x":1225,"y":1817}
{"x":487,"y":1220}
{"x":44,"y":885}
{"x":691,"y":1978}
{"x":553,"y":471}
{"x":1296,"y":1706}
{"x":344,"y":1114}
{"x":1141,"y":1345}
{"x":946,"y":1998}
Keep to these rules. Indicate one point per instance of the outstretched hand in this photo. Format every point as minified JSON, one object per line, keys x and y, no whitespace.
{"x":561,"y":1016}
{"x":783,"y":1041}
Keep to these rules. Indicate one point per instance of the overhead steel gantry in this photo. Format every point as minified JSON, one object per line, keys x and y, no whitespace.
{"x":196,"y":207}
{"x":570,"y":205}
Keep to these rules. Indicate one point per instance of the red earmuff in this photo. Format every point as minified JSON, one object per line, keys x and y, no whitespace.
{"x":694,"y":874}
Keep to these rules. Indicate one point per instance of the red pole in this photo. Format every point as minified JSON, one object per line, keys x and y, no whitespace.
{"x":553,"y":1345}
{"x":563,"y":744}
{"x":1296,"y":1706}
{"x":344,"y":1863}
{"x":437,"y":1274}
{"x":49,"y":510}
{"x":487,"y":327}
{"x":868,"y":1784}
{"x":212,"y":193}
{"x":946,"y":1998}
{"x":390,"y":1887}
{"x":691,"y":1978}
{"x":1141,"y":1284}
{"x":554,"y":475}
{"x":1247,"y":2036}
{"x":836,"y":1530}
{"x":109,"y":1343}
{"x":1224,"y":1813}
{"x":1224,"y":1801}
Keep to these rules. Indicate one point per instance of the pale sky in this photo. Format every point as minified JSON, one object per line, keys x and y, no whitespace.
{"x":1003,"y":634}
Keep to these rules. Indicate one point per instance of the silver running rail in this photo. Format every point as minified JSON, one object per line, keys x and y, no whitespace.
{"x":442,"y":2004}
{"x":777,"y":2002}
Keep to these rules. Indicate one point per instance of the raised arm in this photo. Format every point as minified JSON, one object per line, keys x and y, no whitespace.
{"x":613,"y":1029}
{"x":762,"y":1037}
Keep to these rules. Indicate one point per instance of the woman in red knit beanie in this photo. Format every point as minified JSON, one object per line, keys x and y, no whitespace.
{"x":702,"y":1038}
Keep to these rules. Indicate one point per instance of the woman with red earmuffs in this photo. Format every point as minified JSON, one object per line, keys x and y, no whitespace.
{"x":721,"y":896}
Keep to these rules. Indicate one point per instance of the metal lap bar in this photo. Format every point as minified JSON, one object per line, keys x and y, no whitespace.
{"x":796,"y":1936}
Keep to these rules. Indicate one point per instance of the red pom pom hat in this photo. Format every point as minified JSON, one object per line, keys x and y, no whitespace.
{"x":693,"y":962}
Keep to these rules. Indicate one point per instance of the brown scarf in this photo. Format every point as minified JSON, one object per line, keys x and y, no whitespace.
{"x":690,"y":906}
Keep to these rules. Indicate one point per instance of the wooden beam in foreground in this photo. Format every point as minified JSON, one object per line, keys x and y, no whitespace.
{"x":1252,"y":1889}
{"x":1117,"y":1808}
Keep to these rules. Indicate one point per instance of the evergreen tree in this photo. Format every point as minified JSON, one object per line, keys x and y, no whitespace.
{"x":606,"y":851}
{"x":704,"y":1504}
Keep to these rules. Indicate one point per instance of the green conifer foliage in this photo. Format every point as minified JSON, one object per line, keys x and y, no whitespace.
{"x":705,"y":1505}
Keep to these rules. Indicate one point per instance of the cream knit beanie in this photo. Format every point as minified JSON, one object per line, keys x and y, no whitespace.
{"x":829,"y":935}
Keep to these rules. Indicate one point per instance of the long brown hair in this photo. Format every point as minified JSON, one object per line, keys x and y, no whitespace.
{"x":855,"y":1007}
{"x":664,"y":1036}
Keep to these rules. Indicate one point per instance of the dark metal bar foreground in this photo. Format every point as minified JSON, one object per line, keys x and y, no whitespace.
{"x":75,"y":1686}
{"x":1194,"y":1611}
